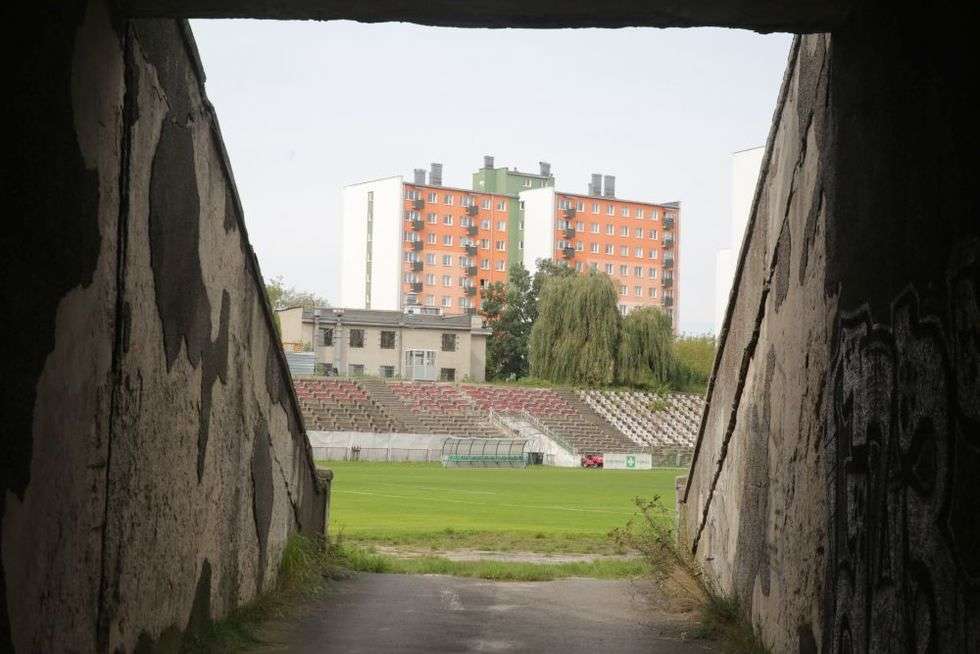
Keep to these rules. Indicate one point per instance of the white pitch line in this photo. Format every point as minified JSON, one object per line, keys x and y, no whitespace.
{"x":514,"y":506}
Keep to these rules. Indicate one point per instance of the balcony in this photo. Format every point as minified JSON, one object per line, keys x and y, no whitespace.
{"x":668,"y":242}
{"x":569,"y":212}
{"x":417,"y":246}
{"x":568,"y":252}
{"x":668,"y":301}
{"x":667,"y":282}
{"x":471,"y":250}
{"x":668,"y":223}
{"x":472,"y":210}
{"x":416,"y":266}
{"x":417,"y":225}
{"x":416,"y":287}
{"x":471,"y":271}
{"x":668,"y":264}
{"x":472,"y":230}
{"x":471,"y":311}
{"x":568,"y":232}
{"x":470,"y":290}
{"x":418,"y":204}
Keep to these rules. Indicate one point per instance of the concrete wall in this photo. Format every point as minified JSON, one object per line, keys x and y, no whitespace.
{"x":154,"y":460}
{"x":385,"y":265}
{"x":835,"y":472}
{"x":539,"y":226}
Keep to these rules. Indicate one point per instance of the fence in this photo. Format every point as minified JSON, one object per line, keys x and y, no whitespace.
{"x":391,"y":454}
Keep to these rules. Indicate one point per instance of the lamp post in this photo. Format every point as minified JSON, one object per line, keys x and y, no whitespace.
{"x":338,"y":340}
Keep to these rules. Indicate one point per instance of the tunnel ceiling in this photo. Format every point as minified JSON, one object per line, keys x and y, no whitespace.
{"x":759,"y":15}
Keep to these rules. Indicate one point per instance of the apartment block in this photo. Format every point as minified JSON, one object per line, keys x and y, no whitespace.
{"x":420,"y":242}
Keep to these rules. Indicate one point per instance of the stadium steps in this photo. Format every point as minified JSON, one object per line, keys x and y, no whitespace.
{"x":587,"y":430}
{"x":403,"y":418}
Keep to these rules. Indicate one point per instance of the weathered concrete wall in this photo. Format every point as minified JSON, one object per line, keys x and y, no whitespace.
{"x":835,"y":476}
{"x":155,"y":462}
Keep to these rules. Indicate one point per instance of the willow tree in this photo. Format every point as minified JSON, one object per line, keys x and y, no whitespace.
{"x":576,"y":333}
{"x":646,"y":349}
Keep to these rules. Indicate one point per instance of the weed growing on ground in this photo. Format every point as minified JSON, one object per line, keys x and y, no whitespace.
{"x":651,"y":532}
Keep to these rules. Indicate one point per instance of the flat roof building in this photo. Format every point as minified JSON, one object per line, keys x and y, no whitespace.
{"x":416,"y":344}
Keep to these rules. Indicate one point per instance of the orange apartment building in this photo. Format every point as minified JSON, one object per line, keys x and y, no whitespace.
{"x":424,"y":244}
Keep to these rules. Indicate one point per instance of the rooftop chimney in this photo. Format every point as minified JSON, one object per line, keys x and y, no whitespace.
{"x":609,"y":186}
{"x":488,"y":162}
{"x":545,"y":168}
{"x":419,"y":176}
{"x":595,"y":188}
{"x":435,"y":175}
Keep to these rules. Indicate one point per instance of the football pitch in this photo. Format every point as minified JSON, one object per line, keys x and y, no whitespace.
{"x":535,"y":509}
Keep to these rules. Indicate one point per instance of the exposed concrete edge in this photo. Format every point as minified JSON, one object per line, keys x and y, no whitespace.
{"x":191,"y":46}
{"x":742,"y":254}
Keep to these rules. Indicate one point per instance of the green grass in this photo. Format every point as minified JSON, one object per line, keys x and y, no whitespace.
{"x":364,"y":560}
{"x":538,"y":509}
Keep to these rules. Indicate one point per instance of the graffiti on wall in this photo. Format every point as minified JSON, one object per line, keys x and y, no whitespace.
{"x":903,"y":437}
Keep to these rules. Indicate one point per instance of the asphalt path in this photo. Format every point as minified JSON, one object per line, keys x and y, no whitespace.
{"x":422,"y":614}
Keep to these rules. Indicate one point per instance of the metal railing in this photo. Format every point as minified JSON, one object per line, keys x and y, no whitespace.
{"x":541,"y":427}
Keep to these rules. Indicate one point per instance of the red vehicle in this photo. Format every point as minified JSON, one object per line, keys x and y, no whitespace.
{"x":592,"y":461}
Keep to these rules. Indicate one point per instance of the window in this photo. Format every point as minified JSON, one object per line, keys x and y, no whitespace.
{"x":653,"y":253}
{"x":447,"y":220}
{"x":485,"y":264}
{"x":501,"y":246}
{"x":578,"y":266}
{"x":446,"y":301}
{"x":652,"y":272}
{"x":595,"y":207}
{"x":449,"y":342}
{"x":356,"y":369}
{"x":386,"y":371}
{"x":594,"y":228}
{"x":623,"y":290}
{"x":502,"y":225}
{"x":326,"y":337}
{"x":611,"y":210}
{"x":626,"y":212}
{"x":610,"y":249}
{"x":448,"y":199}
{"x":579,"y":227}
{"x":447,"y":239}
{"x":433,"y":218}
{"x":502,"y":205}
{"x":447,"y":259}
{"x":433,"y":196}
{"x":610,"y":230}
{"x":430,"y":259}
{"x":638,"y":252}
{"x":357,"y":338}
{"x":624,"y":231}
{"x":484,"y":224}
{"x":609,"y":268}
{"x":624,"y":250}
{"x":623,"y":271}
{"x":580,"y":206}
{"x":500,"y":265}
{"x":593,"y":266}
{"x":527,"y":183}
{"x":430,"y":279}
{"x":654,"y":214}
{"x":653,"y":234}
{"x":430,"y":300}
{"x":594,"y":247}
{"x":652,"y":292}
{"x":484,"y":244}
{"x":447,"y":281}
{"x":485,"y":203}
{"x":638,"y":291}
{"x":387,"y":340}
{"x":638,"y":232}
{"x":431,"y":239}
{"x":639,"y":212}
{"x":449,"y":374}
{"x":564,"y":204}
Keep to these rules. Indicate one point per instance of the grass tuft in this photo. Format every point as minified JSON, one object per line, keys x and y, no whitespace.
{"x":652,"y":533}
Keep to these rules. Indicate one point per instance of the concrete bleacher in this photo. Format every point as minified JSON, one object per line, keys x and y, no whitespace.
{"x":582,"y":421}
{"x":649,"y":419}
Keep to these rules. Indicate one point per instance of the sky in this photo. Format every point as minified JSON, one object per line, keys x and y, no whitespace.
{"x":307,"y":107}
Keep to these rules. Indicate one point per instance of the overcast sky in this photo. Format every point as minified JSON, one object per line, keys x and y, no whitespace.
{"x":307,"y":107}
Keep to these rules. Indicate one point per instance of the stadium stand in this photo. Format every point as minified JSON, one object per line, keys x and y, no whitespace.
{"x":587,"y":421}
{"x":647,"y":419}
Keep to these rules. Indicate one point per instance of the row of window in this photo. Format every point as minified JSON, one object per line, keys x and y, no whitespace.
{"x":445,"y":301}
{"x":430,"y":280}
{"x":355,"y":339}
{"x":623,"y":270}
{"x":388,"y":372}
{"x":449,"y":199}
{"x":610,"y":250}
{"x":447,"y":260}
{"x":624,"y":211}
{"x":624,"y":230}
{"x":448,"y":240}
{"x":449,"y":220}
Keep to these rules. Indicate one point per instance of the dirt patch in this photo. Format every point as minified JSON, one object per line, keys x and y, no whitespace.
{"x":491,"y":555}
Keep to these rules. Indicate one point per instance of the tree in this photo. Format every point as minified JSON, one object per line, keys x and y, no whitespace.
{"x":281,"y":297}
{"x":505,"y":308}
{"x":695,"y":357}
{"x":547,"y":270}
{"x":576,"y":334}
{"x":646,"y":349}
